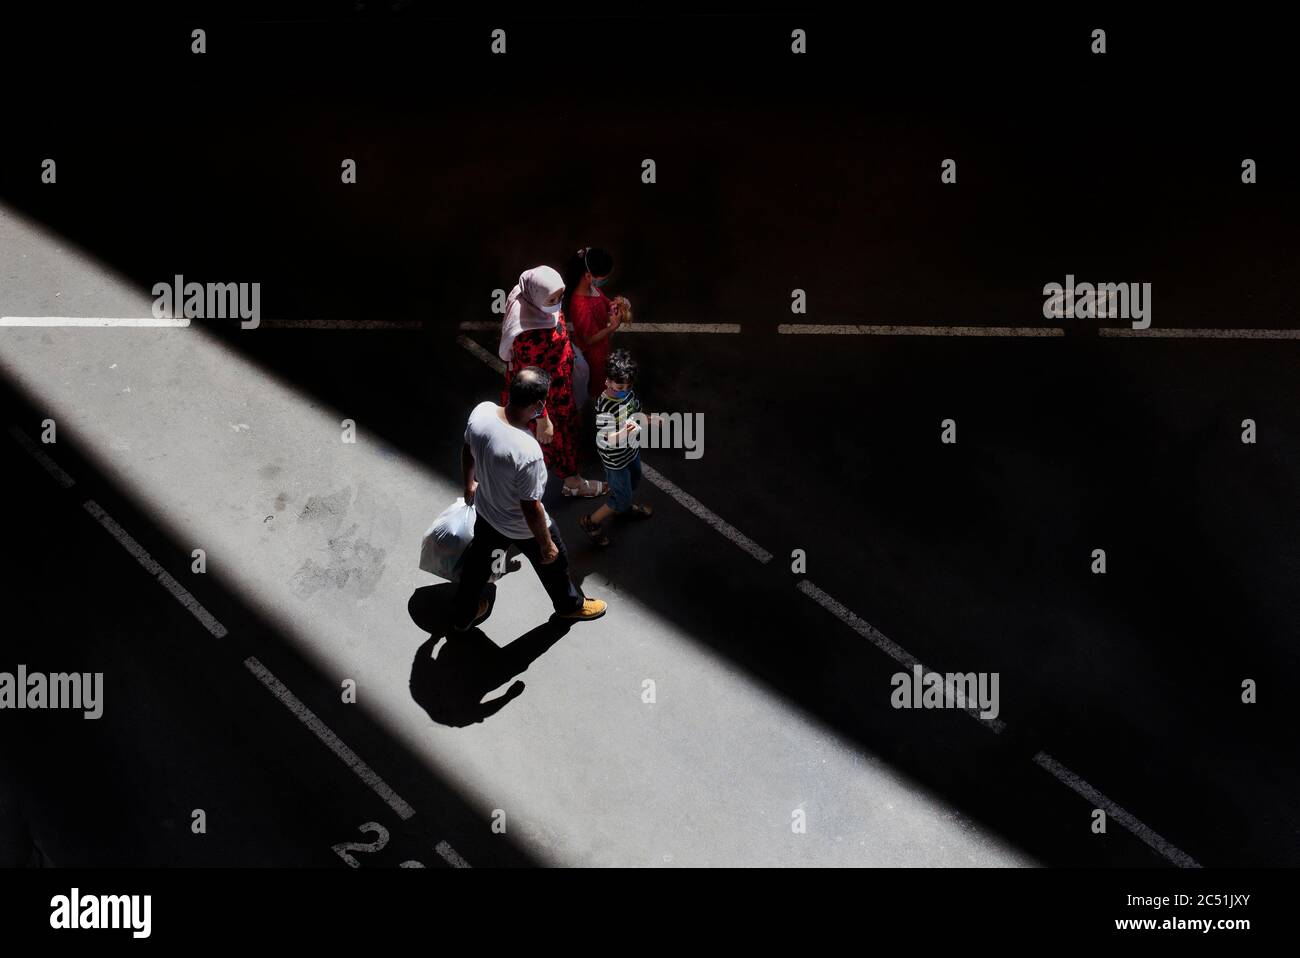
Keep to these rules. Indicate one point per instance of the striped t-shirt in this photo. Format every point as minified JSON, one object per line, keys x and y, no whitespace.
{"x":611,"y":414}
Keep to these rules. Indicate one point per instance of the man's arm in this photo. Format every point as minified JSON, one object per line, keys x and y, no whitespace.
{"x":467,"y":472}
{"x":535,"y":516}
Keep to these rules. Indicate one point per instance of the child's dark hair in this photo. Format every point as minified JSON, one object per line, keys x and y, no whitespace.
{"x":620,"y":367}
{"x":590,"y":259}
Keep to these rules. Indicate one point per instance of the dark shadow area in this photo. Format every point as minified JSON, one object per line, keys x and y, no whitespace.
{"x":971,"y":557}
{"x":454,"y":671}
{"x":185,"y":725}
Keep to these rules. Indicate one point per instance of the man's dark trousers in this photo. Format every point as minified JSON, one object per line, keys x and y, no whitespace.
{"x":477,"y":568}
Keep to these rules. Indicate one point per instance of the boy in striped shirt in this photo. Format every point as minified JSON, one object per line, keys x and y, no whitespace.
{"x":619,"y":449}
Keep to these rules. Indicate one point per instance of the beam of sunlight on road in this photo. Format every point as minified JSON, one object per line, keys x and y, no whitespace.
{"x":321,"y":537}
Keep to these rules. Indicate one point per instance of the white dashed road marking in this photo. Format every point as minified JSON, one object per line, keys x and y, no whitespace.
{"x":1113,"y":332}
{"x":332,"y":741}
{"x":136,"y":321}
{"x":263,"y":674}
{"x":811,"y":329}
{"x":407,"y":324}
{"x":450,"y":855}
{"x":1129,"y":821}
{"x":482,"y":354}
{"x":488,"y":325}
{"x":694,"y":506}
{"x":888,"y":646}
{"x":164,"y":577}
{"x":35,"y":451}
{"x":878,"y":638}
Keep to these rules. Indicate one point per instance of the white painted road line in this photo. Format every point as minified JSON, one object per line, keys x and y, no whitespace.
{"x":886,"y":645}
{"x":136,"y":321}
{"x":1077,"y":784}
{"x":405,"y":324}
{"x":493,"y":326}
{"x":182,"y":321}
{"x":787,"y":329}
{"x":52,"y":467}
{"x":153,"y":568}
{"x":722,"y":328}
{"x":450,"y":855}
{"x":889,"y":647}
{"x":287,"y":698}
{"x":1067,"y":777}
{"x":1124,"y":332}
{"x":332,"y":741}
{"x":1106,"y":332}
{"x":482,"y":354}
{"x":811,"y":329}
{"x":693,"y":505}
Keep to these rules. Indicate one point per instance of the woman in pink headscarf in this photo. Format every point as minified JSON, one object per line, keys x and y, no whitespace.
{"x":533,"y":333}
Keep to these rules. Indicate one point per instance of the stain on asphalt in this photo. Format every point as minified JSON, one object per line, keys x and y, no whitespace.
{"x":355,"y":566}
{"x":352,"y":563}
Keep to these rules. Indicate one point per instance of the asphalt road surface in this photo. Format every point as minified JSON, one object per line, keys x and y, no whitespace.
{"x":770,"y":738}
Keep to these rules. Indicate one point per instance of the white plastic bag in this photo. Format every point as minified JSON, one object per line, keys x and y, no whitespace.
{"x":447,"y":541}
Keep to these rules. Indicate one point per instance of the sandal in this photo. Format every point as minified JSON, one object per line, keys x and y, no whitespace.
{"x":595,"y":532}
{"x":585,"y":489}
{"x":638,"y":511}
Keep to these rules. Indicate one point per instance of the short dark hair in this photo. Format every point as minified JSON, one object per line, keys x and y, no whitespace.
{"x":620,"y":367}
{"x":589,"y":259}
{"x":599,"y":262}
{"x":530,"y":385}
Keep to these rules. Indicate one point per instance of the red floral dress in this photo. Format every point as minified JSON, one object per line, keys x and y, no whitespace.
{"x":551,"y":350}
{"x":590,"y":316}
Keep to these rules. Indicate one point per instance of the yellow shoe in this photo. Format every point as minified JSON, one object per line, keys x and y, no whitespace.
{"x":591,"y":609}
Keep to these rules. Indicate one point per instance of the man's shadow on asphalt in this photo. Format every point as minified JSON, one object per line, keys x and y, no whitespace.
{"x":453,"y":671}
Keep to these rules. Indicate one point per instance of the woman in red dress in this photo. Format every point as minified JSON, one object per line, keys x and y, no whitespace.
{"x":592,"y":316}
{"x":533,"y":334}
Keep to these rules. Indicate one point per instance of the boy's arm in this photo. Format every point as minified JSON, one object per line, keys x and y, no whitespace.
{"x":634,"y":408}
{"x":615,"y":435}
{"x":607,"y":427}
{"x":653,"y":418}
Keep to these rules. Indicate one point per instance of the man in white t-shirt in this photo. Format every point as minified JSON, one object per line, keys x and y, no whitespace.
{"x":505,"y":476}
